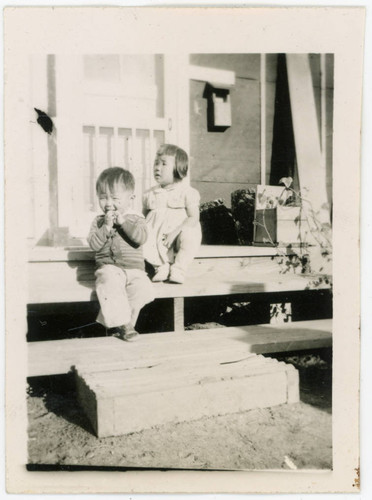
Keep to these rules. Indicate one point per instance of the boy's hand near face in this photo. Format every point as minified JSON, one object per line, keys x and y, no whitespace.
{"x":109,"y":219}
{"x":119,"y":219}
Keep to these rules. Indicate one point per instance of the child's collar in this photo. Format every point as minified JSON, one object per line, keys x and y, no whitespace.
{"x":169,"y":187}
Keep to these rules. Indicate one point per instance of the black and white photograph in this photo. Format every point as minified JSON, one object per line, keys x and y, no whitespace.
{"x":180,"y":220}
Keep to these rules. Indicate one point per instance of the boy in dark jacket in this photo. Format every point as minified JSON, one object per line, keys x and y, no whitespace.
{"x":117,"y":236}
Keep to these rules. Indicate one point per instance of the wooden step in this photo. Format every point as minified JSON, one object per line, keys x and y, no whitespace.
{"x":124,"y":401}
{"x":224,"y":344}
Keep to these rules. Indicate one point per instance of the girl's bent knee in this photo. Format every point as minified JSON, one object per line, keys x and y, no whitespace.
{"x":190,"y":234}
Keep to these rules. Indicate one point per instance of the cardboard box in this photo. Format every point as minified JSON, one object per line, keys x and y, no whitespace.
{"x":292,"y":226}
{"x":285,"y":224}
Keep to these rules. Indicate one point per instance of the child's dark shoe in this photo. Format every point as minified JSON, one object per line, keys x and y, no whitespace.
{"x":124,"y":332}
{"x":130,"y":335}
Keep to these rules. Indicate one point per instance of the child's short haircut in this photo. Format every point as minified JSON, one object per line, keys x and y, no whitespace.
{"x":115,"y":175}
{"x":181,"y":161}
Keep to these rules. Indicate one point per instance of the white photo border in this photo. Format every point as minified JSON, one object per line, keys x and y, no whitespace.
{"x":305,"y":30}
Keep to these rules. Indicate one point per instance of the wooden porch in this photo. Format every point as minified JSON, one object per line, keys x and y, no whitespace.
{"x":62,"y":276}
{"x":177,"y":375}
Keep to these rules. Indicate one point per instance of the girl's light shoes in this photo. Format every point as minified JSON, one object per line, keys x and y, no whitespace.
{"x":162,"y":273}
{"x":176,"y":275}
{"x":171,"y":273}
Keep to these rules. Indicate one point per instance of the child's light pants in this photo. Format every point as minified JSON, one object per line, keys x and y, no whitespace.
{"x":121,"y":293}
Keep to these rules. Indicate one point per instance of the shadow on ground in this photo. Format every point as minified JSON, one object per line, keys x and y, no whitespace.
{"x":315,"y":371}
{"x":58,"y":395}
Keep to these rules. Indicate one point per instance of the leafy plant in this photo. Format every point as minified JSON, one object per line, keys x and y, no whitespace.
{"x":302,"y":258}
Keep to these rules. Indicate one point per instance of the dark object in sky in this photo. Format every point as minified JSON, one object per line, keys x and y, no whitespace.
{"x":44,"y":121}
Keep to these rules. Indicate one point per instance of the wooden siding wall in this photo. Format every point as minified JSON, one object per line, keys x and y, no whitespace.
{"x":222,"y":162}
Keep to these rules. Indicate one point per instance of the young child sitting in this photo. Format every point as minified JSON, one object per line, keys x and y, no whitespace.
{"x":172,"y":215}
{"x":117,"y":236}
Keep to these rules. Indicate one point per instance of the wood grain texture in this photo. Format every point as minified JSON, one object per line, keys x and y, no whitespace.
{"x":311,"y":171}
{"x":293,"y":385}
{"x":178,"y":314}
{"x":133,"y":400}
{"x":70,"y":254}
{"x":74,"y":281}
{"x":221,"y":344}
{"x":231,"y":156}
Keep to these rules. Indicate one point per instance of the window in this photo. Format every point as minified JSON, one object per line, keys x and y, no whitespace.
{"x":130,"y":148}
{"x":110,"y":112}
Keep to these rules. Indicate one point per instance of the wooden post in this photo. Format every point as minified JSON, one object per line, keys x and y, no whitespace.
{"x":178,"y":314}
{"x":323,"y":117}
{"x":39,"y":173}
{"x":263,"y":116}
{"x":311,"y":170}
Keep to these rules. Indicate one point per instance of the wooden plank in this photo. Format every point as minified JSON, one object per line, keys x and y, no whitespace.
{"x":311,"y":168}
{"x":87,"y":399}
{"x":225,"y":344}
{"x":225,"y":352}
{"x":293,"y":384}
{"x":209,"y":251}
{"x":206,"y":277}
{"x":178,"y":314}
{"x":134,"y":413}
{"x":170,"y":375}
{"x":85,"y":266}
{"x":263,"y":108}
{"x":217,"y":77}
{"x":130,"y":401}
{"x":192,"y":403}
{"x":57,"y":254}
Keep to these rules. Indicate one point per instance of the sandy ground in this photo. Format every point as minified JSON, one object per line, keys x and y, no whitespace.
{"x":282,"y":437}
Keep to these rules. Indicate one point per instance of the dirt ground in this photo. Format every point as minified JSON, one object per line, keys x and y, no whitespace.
{"x":282,"y":437}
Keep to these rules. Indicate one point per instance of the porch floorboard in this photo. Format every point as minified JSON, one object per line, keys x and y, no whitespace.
{"x":225,"y":344}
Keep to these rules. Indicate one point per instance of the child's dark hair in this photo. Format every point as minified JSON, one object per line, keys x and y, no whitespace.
{"x":181,"y":161}
{"x":115,"y":175}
